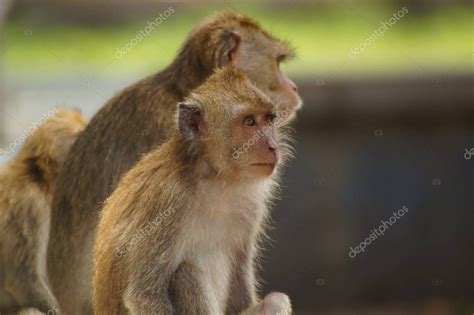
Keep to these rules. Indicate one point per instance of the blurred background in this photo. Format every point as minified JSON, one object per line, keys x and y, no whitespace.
{"x":388,"y":122}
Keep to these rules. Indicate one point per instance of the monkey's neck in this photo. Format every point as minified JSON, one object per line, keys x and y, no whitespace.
{"x":190,"y":159}
{"x":186,"y":73}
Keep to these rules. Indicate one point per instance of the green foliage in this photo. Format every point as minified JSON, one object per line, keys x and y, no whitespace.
{"x":323,"y":38}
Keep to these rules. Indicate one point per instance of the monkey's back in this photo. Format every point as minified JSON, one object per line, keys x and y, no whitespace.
{"x":111,"y":143}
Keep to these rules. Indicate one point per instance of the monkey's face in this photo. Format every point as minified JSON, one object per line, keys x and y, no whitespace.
{"x":255,"y":151}
{"x":260,"y":57}
{"x":232,"y":126}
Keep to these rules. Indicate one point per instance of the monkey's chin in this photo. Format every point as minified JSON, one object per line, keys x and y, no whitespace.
{"x":262,"y":169}
{"x":288,"y":113}
{"x":299,"y":104}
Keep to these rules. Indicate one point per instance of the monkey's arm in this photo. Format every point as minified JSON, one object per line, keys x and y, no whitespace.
{"x":24,"y":250}
{"x":186,"y":291}
{"x":242,"y":290}
{"x":146,"y":298}
{"x":182,"y":294}
{"x":243,"y":298}
{"x":147,"y":290}
{"x":185,"y":295}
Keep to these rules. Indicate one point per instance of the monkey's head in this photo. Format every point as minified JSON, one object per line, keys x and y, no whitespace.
{"x":233,"y":39}
{"x":46,"y":148}
{"x":231,"y":128}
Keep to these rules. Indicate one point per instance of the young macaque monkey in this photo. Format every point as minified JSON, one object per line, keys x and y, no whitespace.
{"x":199,"y":258}
{"x":134,"y":122}
{"x":27,"y":185}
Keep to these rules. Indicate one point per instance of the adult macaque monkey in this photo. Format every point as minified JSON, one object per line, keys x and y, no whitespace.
{"x":27,"y":185}
{"x":137,"y":120}
{"x":199,"y":259}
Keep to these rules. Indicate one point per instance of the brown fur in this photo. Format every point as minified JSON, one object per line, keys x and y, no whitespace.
{"x":137,"y":120}
{"x":200,"y":258}
{"x":27,"y":185}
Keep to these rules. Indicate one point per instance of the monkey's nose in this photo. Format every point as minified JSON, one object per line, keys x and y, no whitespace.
{"x":272,"y":145}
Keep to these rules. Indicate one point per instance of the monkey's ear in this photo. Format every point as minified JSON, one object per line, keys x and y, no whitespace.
{"x":190,"y":121}
{"x":40,"y":168}
{"x":230,"y":52}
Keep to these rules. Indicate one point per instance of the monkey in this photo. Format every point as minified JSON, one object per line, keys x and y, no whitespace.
{"x":138,"y":119}
{"x":27,"y":185}
{"x":199,"y":258}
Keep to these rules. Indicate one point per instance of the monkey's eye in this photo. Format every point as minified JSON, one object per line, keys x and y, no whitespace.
{"x":250,"y":121}
{"x":270,"y":118}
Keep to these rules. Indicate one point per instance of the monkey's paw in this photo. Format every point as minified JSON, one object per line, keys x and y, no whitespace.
{"x":273,"y":304}
{"x":276,"y":303}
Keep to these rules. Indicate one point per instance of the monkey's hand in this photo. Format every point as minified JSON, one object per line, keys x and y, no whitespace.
{"x":273,"y":304}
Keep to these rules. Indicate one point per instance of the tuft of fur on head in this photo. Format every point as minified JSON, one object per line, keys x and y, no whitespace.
{"x":231,"y":20}
{"x":222,"y":23}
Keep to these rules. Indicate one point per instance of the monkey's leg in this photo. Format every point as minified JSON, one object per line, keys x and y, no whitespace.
{"x":273,"y":304}
{"x":29,"y":289}
{"x":186,"y":292}
{"x":154,"y":301}
{"x":43,"y":298}
{"x":26,"y":278}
